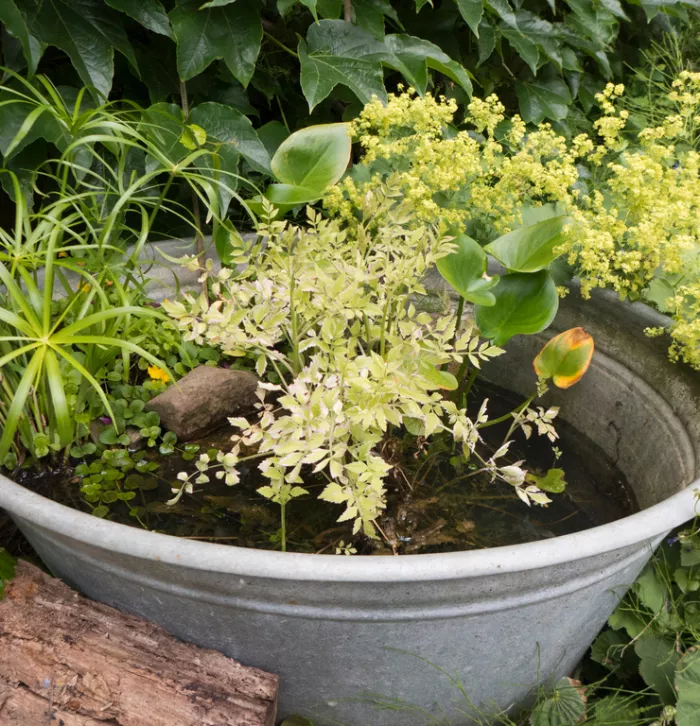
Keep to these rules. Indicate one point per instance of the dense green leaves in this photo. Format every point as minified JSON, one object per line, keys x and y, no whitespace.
{"x":541,"y":99}
{"x":416,"y":56}
{"x":230,"y":129}
{"x":309,"y":51}
{"x":336,"y":52}
{"x":88,"y":31}
{"x":15,"y":23}
{"x":525,"y":303}
{"x":150,"y":13}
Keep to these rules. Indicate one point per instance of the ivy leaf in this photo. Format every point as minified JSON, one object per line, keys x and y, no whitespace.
{"x":232,"y":33}
{"x":543,"y":98}
{"x":88,"y":31}
{"x":284,"y":6}
{"x":504,"y":11}
{"x":150,"y":13}
{"x":16,"y":25}
{"x":217,"y":3}
{"x":229,"y":127}
{"x":472,"y":12}
{"x":530,"y":248}
{"x":615,"y":7}
{"x":542,"y":33}
{"x":525,"y":304}
{"x":336,"y":52}
{"x":417,"y":55}
{"x":370,"y":14}
{"x":487,"y":40}
{"x":524,"y":47}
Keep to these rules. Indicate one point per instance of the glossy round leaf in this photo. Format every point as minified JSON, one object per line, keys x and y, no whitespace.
{"x":465,"y":270}
{"x":565,"y":358}
{"x":314,"y":158}
{"x":525,"y":304}
{"x":531,"y":248}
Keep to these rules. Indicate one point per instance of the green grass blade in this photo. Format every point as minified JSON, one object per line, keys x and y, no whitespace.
{"x":64,"y":421}
{"x":100,"y":317}
{"x":16,"y":410}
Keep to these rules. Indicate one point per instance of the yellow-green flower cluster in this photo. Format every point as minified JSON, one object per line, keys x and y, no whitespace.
{"x":436,"y":172}
{"x":635,"y":207}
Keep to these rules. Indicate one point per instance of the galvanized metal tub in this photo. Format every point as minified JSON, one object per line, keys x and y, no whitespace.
{"x":502,"y":620}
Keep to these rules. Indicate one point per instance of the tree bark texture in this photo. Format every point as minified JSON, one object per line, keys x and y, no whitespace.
{"x":68,"y":661}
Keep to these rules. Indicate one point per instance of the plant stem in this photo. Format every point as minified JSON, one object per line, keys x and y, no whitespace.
{"x":296,"y":358}
{"x":508,"y":415}
{"x":283,"y":530}
{"x":347,"y":6}
{"x":279,"y":43}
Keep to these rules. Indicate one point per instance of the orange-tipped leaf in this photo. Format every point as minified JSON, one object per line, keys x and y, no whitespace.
{"x":565,"y":358}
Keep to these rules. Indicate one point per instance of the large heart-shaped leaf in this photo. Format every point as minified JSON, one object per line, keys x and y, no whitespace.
{"x":416,"y":55}
{"x":531,"y":248}
{"x":230,"y":128}
{"x":465,"y":270}
{"x":232,"y":33}
{"x":525,"y":304}
{"x":336,"y":52}
{"x":313,"y":158}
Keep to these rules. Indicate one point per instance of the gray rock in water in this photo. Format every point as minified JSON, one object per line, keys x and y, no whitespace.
{"x":203,"y":399}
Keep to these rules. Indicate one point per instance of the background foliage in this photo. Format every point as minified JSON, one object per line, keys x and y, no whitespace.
{"x":289,"y":63}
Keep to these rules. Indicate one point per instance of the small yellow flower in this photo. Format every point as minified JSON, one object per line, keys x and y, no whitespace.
{"x":158,"y":374}
{"x":85,"y":287}
{"x":63,"y":254}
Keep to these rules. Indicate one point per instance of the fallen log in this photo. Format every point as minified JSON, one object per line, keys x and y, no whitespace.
{"x":68,"y":661}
